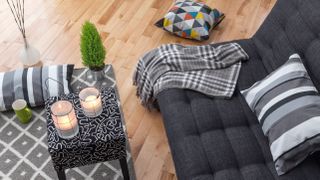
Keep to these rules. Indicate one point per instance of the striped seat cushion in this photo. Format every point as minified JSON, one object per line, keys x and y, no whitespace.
{"x":287,"y":105}
{"x":34,"y":84}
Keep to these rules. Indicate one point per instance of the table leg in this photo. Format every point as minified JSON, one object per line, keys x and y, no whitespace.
{"x":61,"y":174}
{"x":124,"y":168}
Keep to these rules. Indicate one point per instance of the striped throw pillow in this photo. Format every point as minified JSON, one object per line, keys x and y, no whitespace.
{"x":287,"y":105}
{"x":34,"y":84}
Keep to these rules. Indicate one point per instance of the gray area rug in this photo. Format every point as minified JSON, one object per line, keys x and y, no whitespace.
{"x":23,"y":147}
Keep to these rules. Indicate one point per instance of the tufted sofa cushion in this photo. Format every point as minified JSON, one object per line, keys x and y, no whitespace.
{"x":293,"y":26}
{"x":218,"y":139}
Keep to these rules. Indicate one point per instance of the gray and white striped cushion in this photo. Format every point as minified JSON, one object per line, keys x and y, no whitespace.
{"x":288,"y":108}
{"x":29,"y":84}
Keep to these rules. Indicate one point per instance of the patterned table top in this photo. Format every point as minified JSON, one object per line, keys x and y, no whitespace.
{"x":100,"y":139}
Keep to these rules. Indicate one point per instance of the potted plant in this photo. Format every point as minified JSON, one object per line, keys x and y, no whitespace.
{"x":92,"y":50}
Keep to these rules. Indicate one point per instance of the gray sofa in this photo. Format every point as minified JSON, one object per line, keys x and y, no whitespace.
{"x":218,"y":139}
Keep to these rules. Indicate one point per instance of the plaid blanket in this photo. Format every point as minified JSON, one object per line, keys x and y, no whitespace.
{"x":210,"y":70}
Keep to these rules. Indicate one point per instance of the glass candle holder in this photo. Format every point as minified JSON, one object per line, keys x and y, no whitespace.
{"x":64,"y":119}
{"x":90,"y":101}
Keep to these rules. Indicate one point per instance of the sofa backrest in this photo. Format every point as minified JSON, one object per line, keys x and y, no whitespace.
{"x":293,"y":26}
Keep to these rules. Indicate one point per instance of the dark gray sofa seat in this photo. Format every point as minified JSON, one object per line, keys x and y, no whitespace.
{"x":214,"y":138}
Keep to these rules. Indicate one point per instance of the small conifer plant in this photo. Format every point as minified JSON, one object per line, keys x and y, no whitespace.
{"x":92,"y":50}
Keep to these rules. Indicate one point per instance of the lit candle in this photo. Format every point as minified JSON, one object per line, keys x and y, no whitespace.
{"x":90,"y":100}
{"x":64,"y":119}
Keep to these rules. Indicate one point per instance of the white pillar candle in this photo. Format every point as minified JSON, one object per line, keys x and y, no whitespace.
{"x":64,"y":119}
{"x":90,"y":100}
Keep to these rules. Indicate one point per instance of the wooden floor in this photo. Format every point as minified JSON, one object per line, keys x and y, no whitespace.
{"x":127,"y":29}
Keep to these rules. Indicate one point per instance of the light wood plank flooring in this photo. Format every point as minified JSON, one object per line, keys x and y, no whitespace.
{"x":127,"y":29}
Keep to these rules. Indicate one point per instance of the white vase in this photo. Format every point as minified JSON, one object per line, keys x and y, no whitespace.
{"x":29,"y":55}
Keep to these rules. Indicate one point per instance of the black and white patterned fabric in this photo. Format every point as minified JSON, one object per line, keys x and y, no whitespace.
{"x":210,"y":70}
{"x":34,"y":84}
{"x":100,"y":139}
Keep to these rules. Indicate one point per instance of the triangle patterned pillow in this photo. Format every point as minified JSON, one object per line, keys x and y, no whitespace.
{"x":189,"y":19}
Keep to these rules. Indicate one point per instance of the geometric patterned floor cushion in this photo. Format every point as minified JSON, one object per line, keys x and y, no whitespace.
{"x":189,"y":19}
{"x":287,"y":105}
{"x":34,"y":84}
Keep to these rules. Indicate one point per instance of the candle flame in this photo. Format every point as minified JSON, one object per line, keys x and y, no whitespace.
{"x":90,"y":98}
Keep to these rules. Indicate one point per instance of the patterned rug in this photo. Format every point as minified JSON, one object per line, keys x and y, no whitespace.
{"x":23,"y":147}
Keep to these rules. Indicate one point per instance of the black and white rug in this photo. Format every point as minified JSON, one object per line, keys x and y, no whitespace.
{"x":23,"y":147}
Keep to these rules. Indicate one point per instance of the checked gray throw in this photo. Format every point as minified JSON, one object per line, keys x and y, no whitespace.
{"x":207,"y":69}
{"x":23,"y":147}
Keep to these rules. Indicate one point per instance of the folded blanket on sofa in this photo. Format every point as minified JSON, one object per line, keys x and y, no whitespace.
{"x":210,"y":70}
